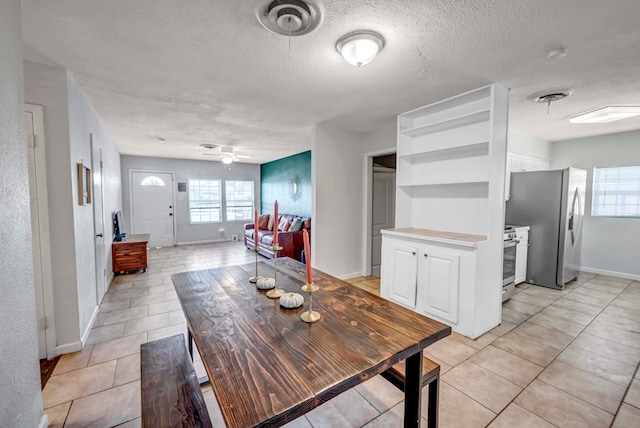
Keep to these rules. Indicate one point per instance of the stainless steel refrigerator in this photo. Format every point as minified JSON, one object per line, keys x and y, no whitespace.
{"x":552,"y":203}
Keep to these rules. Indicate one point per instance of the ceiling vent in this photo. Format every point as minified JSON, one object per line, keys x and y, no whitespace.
{"x":551,"y":96}
{"x":554,"y":96}
{"x":289,"y":17}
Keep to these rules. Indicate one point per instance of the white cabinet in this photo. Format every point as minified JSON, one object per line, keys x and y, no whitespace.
{"x":402,"y":276}
{"x":438,"y":276}
{"x":450,"y":206}
{"x":421,"y":278}
{"x":522,"y":250}
{"x":520,"y":163}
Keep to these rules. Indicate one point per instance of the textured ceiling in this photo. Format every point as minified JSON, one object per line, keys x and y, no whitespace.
{"x":206,"y":71}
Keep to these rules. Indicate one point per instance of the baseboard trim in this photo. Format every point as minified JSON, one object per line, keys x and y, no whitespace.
{"x":68,"y":348}
{"x":44,"y":421}
{"x":346,"y":276}
{"x":208,"y":241}
{"x":610,"y":273}
{"x":86,"y":333}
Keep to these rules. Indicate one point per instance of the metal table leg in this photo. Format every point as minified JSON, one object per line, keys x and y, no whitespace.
{"x":413,"y":390}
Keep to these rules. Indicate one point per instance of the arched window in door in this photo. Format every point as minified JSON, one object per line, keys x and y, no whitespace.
{"x":152,"y":180}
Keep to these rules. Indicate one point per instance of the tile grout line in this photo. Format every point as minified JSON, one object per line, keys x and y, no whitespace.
{"x":545,"y":367}
{"x":578,"y":368}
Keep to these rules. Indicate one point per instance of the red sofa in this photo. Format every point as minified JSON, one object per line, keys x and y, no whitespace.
{"x":290,"y":241}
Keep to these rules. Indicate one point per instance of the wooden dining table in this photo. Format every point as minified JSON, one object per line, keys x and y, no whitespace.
{"x":267,"y":367}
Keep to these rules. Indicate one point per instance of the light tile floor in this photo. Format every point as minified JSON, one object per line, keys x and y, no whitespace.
{"x":560,"y":358}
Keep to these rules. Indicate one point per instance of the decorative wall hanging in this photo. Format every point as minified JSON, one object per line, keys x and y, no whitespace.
{"x":84,"y":185}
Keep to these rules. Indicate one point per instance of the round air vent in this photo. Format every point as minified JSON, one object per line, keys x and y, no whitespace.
{"x":554,"y":96}
{"x":290,"y":17}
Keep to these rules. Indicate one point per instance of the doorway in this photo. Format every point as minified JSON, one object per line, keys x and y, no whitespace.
{"x":152,"y":205}
{"x":39,"y":204}
{"x":98,"y":219}
{"x":380,"y":202}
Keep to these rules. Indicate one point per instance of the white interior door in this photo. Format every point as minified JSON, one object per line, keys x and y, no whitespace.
{"x":98,"y":219}
{"x":382,"y":214}
{"x":152,"y":206}
{"x":34,"y":121}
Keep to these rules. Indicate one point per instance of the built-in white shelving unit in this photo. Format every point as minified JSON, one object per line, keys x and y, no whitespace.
{"x":450,"y":182}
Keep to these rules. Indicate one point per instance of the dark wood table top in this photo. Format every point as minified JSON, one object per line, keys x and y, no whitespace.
{"x":266,"y":366}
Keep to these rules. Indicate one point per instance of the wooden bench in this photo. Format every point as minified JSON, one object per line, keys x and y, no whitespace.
{"x":171,"y":394}
{"x":430,"y":376}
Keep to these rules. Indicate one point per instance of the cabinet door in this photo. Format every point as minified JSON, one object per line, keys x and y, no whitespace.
{"x":438,"y":285}
{"x":521,"y":261}
{"x":403,"y":271}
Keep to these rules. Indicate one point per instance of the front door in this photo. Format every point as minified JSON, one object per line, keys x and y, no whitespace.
{"x":152,"y":206}
{"x":98,"y":219}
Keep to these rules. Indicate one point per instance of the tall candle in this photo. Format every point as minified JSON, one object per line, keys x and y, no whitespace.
{"x":255,"y":228}
{"x":307,"y":255}
{"x":275,"y":223}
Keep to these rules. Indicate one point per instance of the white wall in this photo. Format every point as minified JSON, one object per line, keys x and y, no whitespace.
{"x":69,"y":120}
{"x":609,"y":245}
{"x":184,"y":170}
{"x":383,"y":137}
{"x":20,"y":397}
{"x":529,"y":145}
{"x":84,"y":122}
{"x":337,"y":164}
{"x":47,"y":86}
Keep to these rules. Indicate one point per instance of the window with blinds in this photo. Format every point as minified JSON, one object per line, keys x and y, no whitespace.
{"x":239,"y":200}
{"x":205,"y":201}
{"x":616,"y":192}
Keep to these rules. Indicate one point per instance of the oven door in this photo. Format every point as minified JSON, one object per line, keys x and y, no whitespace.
{"x":509,"y":261}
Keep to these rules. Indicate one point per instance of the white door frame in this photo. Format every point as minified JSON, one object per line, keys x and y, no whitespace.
{"x":95,"y":145}
{"x":367,"y":207}
{"x":43,"y":222}
{"x":173,"y":195}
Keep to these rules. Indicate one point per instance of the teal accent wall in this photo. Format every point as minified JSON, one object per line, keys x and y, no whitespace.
{"x":277,"y":180}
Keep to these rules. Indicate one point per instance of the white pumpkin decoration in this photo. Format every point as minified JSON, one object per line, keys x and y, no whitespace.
{"x":291,"y":300}
{"x":266,"y":283}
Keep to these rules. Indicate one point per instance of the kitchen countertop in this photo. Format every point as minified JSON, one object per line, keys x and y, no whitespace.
{"x":455,"y":238}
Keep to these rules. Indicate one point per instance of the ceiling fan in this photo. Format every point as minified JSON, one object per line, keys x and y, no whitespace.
{"x":227,"y":156}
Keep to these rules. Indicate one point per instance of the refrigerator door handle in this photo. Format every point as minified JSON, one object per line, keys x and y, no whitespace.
{"x":575,"y":209}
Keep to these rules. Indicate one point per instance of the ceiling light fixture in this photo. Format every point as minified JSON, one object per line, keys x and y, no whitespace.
{"x":607,"y":114}
{"x":227,"y":160}
{"x":557,"y":53}
{"x":360,"y":47}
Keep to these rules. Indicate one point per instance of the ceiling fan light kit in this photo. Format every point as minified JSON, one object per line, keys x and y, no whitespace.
{"x":360,"y":47}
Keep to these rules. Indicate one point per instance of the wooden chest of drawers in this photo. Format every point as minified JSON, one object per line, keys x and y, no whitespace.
{"x":130,"y":254}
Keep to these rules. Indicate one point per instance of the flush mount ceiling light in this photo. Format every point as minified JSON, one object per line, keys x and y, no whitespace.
{"x":607,"y":114}
{"x":289,"y":17}
{"x":360,"y":47}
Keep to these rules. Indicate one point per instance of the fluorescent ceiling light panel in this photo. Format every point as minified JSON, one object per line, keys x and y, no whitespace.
{"x":607,"y":114}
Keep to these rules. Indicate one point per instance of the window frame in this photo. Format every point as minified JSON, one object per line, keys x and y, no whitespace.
{"x":191,"y":201}
{"x":598,"y":206}
{"x":227,"y":200}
